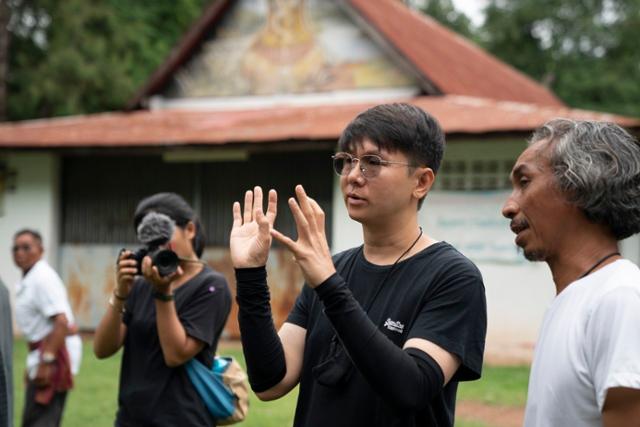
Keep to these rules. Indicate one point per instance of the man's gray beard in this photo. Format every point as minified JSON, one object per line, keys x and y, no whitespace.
{"x":534,"y":256}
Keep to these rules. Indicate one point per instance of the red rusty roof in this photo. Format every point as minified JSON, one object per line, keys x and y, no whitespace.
{"x":457,"y":114}
{"x":451,"y":64}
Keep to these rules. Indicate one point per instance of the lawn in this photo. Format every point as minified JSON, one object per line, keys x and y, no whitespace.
{"x":93,"y":401}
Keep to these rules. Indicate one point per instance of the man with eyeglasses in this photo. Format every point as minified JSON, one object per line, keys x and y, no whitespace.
{"x":382,"y":333}
{"x":44,"y":316}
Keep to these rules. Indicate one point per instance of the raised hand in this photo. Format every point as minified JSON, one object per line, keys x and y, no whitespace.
{"x":311,"y":250}
{"x":250,"y":239}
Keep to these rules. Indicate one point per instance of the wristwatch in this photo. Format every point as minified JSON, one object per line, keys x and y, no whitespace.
{"x":48,"y":357}
{"x":162,"y":296}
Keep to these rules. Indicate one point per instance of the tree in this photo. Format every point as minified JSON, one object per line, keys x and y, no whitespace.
{"x":585,"y":51}
{"x":73,"y":56}
{"x":446,"y":13}
{"x":4,"y":56}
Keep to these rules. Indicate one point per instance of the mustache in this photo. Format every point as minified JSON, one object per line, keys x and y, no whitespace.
{"x":517,"y":225}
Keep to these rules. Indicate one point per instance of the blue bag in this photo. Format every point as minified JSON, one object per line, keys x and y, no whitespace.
{"x":223,"y":388}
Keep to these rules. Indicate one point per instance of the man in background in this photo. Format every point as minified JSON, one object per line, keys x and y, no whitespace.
{"x":44,"y":316}
{"x":576,"y":194}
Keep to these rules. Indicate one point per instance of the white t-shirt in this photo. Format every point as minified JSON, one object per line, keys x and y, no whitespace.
{"x":589,"y":342}
{"x":39,"y":295}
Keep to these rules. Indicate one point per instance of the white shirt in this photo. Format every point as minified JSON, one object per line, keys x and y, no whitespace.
{"x":40,"y":294}
{"x":589,"y":342}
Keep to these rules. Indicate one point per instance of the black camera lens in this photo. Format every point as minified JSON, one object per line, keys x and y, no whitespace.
{"x":166,"y":261}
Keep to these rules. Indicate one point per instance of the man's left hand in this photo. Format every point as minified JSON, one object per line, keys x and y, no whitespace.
{"x":311,"y":250}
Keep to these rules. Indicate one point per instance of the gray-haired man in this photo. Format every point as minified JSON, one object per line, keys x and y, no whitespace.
{"x":576,"y":194}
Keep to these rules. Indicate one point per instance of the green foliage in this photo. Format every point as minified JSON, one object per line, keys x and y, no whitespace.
{"x":585,"y":51}
{"x":73,"y":56}
{"x":445,"y":13}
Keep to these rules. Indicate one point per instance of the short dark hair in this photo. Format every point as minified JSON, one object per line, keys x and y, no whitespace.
{"x":597,"y":166}
{"x":33,"y":233}
{"x":174,"y":206}
{"x":398,"y":127}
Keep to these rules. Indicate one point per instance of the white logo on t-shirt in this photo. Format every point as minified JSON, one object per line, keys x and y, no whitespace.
{"x":394,"y":325}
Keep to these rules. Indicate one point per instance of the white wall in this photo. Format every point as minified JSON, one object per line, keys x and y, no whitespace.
{"x":517,"y":291}
{"x":34,"y":203}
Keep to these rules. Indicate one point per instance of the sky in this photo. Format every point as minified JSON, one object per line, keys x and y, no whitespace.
{"x":471,"y":8}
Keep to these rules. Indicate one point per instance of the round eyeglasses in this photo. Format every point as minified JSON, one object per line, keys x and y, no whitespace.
{"x":369,"y":164}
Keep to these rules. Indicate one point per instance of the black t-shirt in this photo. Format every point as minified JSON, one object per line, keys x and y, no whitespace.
{"x":151,"y":393}
{"x":437,"y":295}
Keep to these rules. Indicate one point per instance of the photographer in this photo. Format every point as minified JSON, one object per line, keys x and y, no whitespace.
{"x":163,"y":321}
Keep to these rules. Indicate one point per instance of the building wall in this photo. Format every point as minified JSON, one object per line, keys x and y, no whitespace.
{"x":33,"y":203}
{"x":89,"y":273}
{"x":517,"y":291}
{"x":97,"y":215}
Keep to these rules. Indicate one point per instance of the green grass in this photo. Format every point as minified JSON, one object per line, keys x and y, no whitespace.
{"x":499,"y":385}
{"x":93,"y":401}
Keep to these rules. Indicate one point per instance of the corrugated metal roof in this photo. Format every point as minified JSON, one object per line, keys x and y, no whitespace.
{"x":455,"y":65}
{"x":457,"y":114}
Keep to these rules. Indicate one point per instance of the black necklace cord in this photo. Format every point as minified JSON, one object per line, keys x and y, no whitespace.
{"x":393,"y":266}
{"x":600,"y":261}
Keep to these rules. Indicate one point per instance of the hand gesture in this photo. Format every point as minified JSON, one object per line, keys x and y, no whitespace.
{"x":311,"y":250}
{"x":125,"y":273}
{"x":250,"y":235}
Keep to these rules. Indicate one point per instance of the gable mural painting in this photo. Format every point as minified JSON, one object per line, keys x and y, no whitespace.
{"x":271,"y":47}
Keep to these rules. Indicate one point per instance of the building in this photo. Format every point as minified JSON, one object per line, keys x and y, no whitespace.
{"x":257,"y":92}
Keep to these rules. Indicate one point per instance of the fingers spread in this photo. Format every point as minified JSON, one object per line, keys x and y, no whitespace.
{"x":237,"y":215}
{"x":305,"y":205}
{"x":272,"y":208}
{"x":286,"y":241}
{"x":301,"y":221}
{"x":318,"y":214}
{"x":257,"y":199}
{"x":248,"y":206}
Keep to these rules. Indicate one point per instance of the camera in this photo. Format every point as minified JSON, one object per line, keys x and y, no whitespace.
{"x":164,"y":259}
{"x":154,"y":231}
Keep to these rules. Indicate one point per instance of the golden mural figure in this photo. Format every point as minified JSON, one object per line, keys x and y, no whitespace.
{"x":281,"y":47}
{"x":284,"y":56}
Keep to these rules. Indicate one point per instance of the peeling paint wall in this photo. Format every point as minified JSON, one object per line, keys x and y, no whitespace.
{"x":89,"y":273}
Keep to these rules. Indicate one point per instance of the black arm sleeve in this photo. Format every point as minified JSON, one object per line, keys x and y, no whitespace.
{"x":407,"y":379}
{"x":263,"y":352}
